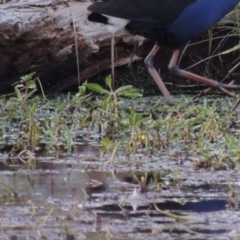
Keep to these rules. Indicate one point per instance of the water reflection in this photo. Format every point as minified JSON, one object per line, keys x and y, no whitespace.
{"x":81,"y":195}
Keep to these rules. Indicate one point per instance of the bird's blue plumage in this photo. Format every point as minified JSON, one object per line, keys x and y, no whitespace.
{"x":198,"y":18}
{"x":169,"y":22}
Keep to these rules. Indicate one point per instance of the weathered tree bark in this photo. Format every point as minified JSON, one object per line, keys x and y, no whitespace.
{"x":39,"y":36}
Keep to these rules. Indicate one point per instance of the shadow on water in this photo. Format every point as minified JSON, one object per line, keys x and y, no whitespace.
{"x":83,"y":196}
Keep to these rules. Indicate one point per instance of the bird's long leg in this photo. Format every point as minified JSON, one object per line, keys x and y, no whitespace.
{"x":152,"y":71}
{"x":209,"y":82}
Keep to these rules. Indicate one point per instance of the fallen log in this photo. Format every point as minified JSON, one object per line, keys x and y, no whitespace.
{"x":40,"y":36}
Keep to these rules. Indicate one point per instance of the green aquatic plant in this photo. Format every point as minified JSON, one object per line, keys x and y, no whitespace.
{"x":206,"y":130}
{"x":110,"y":99}
{"x":23,"y":105}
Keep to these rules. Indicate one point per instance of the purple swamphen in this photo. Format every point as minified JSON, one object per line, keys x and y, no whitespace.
{"x":171,"y":23}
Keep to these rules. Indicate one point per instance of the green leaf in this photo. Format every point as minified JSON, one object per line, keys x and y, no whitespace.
{"x":105,"y":104}
{"x":105,"y":142}
{"x":18,"y":93}
{"x":32,"y":84}
{"x":128,"y":91}
{"x":136,"y":118}
{"x":30,"y":93}
{"x":96,"y":88}
{"x":82,"y":90}
{"x":34,"y":108}
{"x":132,"y":94}
{"x":124,"y":88}
{"x":108,"y":81}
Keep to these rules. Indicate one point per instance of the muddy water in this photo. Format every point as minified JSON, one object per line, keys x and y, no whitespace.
{"x":83,"y":196}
